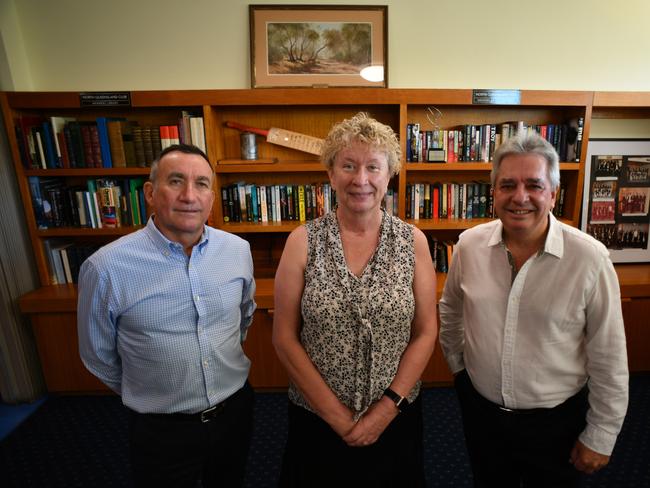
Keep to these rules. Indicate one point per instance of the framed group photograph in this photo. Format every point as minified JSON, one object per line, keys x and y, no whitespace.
{"x":616,"y":200}
{"x":318,"y":45}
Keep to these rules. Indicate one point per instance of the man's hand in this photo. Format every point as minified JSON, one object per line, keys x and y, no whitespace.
{"x":372,"y":424}
{"x":586,"y":460}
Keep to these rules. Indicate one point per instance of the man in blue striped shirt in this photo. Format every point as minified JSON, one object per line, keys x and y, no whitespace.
{"x":162,"y":314}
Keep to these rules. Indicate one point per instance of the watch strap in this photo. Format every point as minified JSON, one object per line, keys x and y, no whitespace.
{"x":397,"y":399}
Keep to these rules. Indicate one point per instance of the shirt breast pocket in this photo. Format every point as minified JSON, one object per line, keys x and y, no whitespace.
{"x":224,"y":299}
{"x":573,"y":320}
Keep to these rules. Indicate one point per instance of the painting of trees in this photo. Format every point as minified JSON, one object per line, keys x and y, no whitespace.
{"x":318,"y":48}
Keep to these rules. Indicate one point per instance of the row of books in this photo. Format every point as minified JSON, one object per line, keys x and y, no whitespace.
{"x":65,"y":259}
{"x":100,"y":203}
{"x":558,"y":209}
{"x":479,"y":142}
{"x":459,"y":200}
{"x":106,"y":142}
{"x":449,"y":200}
{"x":441,"y":253}
{"x":247,"y":202}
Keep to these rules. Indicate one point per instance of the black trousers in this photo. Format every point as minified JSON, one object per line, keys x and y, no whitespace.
{"x":315,"y":456}
{"x":521,"y":449}
{"x":177,"y":450}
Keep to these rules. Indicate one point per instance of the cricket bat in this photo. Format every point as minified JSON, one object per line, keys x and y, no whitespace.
{"x":286,"y":138}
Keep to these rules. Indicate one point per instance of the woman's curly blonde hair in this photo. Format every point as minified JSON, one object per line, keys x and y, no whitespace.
{"x":363,"y":128}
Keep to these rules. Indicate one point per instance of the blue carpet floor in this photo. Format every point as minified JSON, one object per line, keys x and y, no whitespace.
{"x":11,"y":416}
{"x":81,"y":442}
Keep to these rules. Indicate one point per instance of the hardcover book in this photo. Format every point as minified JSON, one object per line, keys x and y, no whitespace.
{"x":104,"y":145}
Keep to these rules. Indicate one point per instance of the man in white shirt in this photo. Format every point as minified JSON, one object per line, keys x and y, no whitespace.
{"x":531,"y":327}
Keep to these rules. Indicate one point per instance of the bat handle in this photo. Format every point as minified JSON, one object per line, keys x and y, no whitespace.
{"x":246,"y":128}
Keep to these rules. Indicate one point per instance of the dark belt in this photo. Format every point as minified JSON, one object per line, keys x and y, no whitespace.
{"x":517,"y":411}
{"x":520,"y":411}
{"x":530,"y":411}
{"x":204,"y":416}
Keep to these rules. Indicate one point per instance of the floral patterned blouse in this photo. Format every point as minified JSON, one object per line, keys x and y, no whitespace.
{"x":356,"y":328}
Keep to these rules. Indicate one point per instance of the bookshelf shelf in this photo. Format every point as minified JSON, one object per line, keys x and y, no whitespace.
{"x":92,"y":172}
{"x":487,"y":167}
{"x":416,"y":167}
{"x":84,"y":231}
{"x":570,"y":166}
{"x":447,"y":224}
{"x":278,"y":167}
{"x":245,"y":227}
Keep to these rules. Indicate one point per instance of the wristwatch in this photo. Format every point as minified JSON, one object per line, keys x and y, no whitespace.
{"x":398,"y":400}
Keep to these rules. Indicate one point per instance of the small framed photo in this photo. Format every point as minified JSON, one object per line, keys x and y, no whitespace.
{"x":318,"y":45}
{"x":616,"y":205}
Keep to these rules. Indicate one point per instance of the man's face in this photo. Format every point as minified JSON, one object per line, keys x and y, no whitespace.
{"x":181,"y":196}
{"x":523,"y":196}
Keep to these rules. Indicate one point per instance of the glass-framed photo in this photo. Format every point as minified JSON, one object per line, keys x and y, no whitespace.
{"x":616,"y":197}
{"x":319,"y":45}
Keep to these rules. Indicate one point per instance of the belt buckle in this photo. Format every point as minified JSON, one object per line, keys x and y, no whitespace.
{"x":206,"y":414}
{"x":505,"y":409}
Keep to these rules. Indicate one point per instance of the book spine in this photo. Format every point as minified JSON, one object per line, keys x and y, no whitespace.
{"x":118,"y":157}
{"x":581,"y":127}
{"x":104,"y":145}
{"x":278,"y":211}
{"x":301,"y":203}
{"x":50,"y":148}
{"x":39,"y":147}
{"x":263,"y":205}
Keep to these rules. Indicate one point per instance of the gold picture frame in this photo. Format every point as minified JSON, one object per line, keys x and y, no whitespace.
{"x":318,"y":45}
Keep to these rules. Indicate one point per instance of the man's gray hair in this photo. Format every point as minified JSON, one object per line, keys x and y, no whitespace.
{"x":528,"y":143}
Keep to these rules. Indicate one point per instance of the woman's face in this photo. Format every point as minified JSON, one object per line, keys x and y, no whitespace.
{"x":360,"y":177}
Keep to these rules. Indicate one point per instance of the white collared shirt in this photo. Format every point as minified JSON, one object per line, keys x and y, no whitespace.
{"x":535,"y":339}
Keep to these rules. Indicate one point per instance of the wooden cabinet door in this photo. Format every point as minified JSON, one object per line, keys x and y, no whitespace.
{"x":437,"y":372}
{"x":636,"y":314}
{"x":58,"y":349}
{"x":266,"y":370}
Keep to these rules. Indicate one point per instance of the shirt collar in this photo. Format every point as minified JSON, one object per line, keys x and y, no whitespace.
{"x":554,"y":243}
{"x":165,"y":246}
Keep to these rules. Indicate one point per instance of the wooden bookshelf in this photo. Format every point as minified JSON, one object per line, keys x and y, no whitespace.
{"x":53,"y":314}
{"x":312,"y":112}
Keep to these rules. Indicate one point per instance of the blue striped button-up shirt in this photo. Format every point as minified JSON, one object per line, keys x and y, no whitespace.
{"x":164,"y":329}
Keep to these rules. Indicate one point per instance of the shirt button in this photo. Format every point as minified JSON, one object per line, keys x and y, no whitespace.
{"x":205,"y":363}
{"x":197,"y":298}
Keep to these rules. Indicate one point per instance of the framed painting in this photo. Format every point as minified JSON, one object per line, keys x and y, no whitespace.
{"x":318,"y":45}
{"x":616,"y":197}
